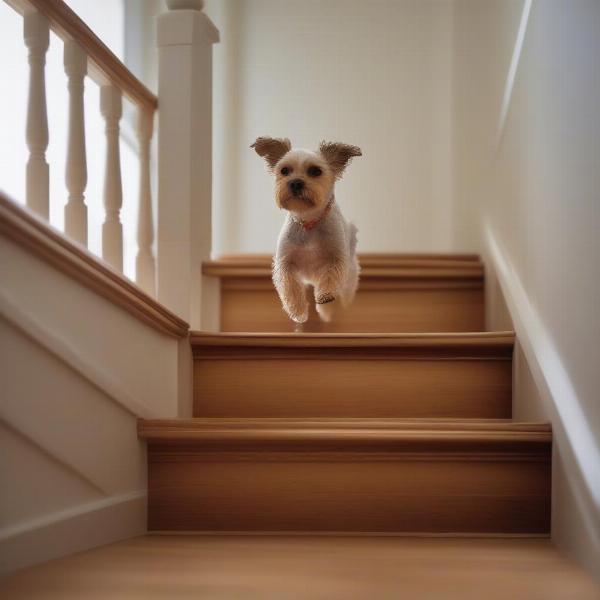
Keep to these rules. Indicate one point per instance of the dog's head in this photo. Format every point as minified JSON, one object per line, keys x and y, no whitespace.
{"x":304,"y":179}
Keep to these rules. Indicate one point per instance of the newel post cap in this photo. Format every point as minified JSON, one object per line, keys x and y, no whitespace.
{"x":185,"y":27}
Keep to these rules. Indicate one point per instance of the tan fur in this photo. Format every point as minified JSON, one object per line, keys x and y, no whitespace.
{"x":271,"y":149}
{"x":338,"y":156}
{"x":323,"y":255}
{"x":316,"y":193}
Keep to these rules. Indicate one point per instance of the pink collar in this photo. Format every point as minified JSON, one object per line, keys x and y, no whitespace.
{"x":308,"y":225}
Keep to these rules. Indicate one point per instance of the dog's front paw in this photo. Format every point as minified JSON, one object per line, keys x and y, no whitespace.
{"x":298,"y":312}
{"x":324,"y":297}
{"x":298,"y":317}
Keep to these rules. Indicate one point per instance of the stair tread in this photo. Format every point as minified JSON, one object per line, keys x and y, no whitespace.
{"x":310,"y":566}
{"x":397,"y":292}
{"x":385,"y":475}
{"x":346,"y":432}
{"x":259,"y":257}
{"x":414,"y":266}
{"x":402,"y":375}
{"x":351,"y":339}
{"x":446,"y":424}
{"x":429,"y":335}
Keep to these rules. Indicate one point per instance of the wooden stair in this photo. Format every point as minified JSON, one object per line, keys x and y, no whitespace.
{"x":361,"y":375}
{"x":357,"y":429}
{"x":407,"y":293}
{"x":348,"y":475}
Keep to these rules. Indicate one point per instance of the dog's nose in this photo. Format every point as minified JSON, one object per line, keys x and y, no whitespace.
{"x":296,"y":185}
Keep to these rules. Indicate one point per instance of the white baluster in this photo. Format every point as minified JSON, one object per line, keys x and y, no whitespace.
{"x":144,"y":265}
{"x":111,"y":107}
{"x":36,"y":32}
{"x":75,"y":61}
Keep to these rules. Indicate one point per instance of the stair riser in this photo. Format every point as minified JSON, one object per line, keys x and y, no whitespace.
{"x":380,"y":306}
{"x":353,"y":387}
{"x":347,"y":492}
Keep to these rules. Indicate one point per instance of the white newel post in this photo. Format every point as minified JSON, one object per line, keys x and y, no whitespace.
{"x":76,"y":218}
{"x":111,"y":107}
{"x":144,"y":263}
{"x":36,"y":32}
{"x":185,"y":39}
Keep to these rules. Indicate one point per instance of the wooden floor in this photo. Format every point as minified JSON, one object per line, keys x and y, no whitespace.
{"x":275,"y":567}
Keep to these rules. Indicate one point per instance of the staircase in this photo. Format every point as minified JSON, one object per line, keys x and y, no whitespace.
{"x":435,"y":292}
{"x":395,"y":420}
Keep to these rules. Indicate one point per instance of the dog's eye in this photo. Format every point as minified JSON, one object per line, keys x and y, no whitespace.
{"x":285,"y":171}
{"x":314,"y":171}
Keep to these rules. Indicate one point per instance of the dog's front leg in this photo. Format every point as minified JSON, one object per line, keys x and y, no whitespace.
{"x":330,"y":281}
{"x":292,"y":292}
{"x":330,"y":285}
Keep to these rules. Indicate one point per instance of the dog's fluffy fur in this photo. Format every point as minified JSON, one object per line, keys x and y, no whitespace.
{"x":316,"y":246}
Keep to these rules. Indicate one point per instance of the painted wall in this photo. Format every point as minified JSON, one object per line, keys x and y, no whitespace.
{"x":376,"y":74}
{"x":527,"y":194}
{"x":76,"y":372}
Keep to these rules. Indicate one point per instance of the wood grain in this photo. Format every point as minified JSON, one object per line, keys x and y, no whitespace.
{"x":398,"y":293}
{"x":104,"y":65}
{"x":240,"y":264}
{"x":458,"y":478}
{"x":48,"y":244}
{"x":495,"y":343}
{"x":316,"y":434}
{"x":268,"y":375}
{"x":299,"y":567}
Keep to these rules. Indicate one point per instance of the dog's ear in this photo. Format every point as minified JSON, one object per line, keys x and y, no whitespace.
{"x":338,"y":155}
{"x":271,"y":149}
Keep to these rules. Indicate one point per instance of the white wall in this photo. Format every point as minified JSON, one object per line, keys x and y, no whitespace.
{"x":376,"y":74}
{"x":527,"y":196}
{"x":76,"y":371}
{"x":68,"y":454}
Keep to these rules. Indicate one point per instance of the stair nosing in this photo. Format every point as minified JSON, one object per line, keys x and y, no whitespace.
{"x":209,"y":338}
{"x":343,"y":346}
{"x":420,"y":434}
{"x":373,"y":266}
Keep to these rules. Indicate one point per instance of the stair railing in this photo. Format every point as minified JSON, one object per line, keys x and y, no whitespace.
{"x":185,"y":38}
{"x":86,"y":55}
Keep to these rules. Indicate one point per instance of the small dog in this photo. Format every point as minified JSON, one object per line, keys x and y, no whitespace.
{"x":316,"y":246}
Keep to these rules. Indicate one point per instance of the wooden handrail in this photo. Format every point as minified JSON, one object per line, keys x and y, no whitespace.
{"x":29,"y":231}
{"x":103,"y":61}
